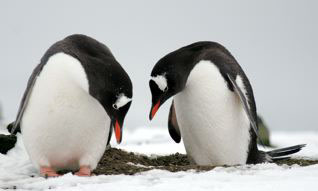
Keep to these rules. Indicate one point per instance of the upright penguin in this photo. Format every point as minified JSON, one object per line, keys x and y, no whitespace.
{"x":213,"y":107}
{"x":74,"y":97}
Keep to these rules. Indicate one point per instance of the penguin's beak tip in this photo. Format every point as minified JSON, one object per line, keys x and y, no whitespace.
{"x":151,"y":116}
{"x":154,"y":110}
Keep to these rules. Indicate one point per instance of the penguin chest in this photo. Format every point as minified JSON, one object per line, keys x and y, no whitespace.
{"x":63,"y":126}
{"x":211,"y":118}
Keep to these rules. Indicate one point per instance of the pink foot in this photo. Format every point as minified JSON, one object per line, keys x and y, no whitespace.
{"x":48,"y":172}
{"x":84,"y":171}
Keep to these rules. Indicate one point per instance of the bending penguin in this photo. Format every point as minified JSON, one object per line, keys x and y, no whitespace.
{"x":74,"y":98}
{"x":213,"y":107}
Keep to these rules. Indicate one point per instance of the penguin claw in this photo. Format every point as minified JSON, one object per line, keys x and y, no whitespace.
{"x":48,"y":172}
{"x":84,"y":171}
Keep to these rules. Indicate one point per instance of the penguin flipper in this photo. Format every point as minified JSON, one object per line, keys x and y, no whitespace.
{"x":246,"y":107}
{"x":17,"y":130}
{"x":25,"y":99}
{"x":173,"y":126}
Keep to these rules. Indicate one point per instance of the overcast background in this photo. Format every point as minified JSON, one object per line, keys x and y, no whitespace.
{"x":275,"y":42}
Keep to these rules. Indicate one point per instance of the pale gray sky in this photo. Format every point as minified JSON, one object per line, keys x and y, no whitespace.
{"x":274,"y":41}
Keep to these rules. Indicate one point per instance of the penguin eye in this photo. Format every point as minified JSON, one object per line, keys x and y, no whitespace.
{"x":115,"y":106}
{"x":166,"y":89}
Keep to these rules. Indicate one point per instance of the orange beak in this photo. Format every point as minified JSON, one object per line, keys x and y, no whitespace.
{"x":154,"y":110}
{"x":118,"y":132}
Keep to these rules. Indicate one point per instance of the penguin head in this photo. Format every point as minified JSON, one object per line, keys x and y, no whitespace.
{"x":161,"y":91}
{"x":118,"y":98}
{"x":119,"y":108}
{"x":168,"y":77}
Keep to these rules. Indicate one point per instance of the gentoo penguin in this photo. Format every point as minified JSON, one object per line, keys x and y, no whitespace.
{"x":74,"y":97}
{"x":213,"y":108}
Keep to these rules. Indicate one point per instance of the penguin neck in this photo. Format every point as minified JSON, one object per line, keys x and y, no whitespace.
{"x":66,"y":69}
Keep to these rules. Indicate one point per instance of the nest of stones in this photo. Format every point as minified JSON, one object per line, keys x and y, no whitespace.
{"x":116,"y":161}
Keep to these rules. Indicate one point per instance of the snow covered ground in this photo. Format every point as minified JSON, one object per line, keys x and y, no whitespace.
{"x":16,"y":169}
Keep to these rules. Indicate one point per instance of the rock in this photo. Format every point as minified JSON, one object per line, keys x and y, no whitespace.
{"x":7,"y":142}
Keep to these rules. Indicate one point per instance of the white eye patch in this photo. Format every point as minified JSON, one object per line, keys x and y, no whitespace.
{"x":161,"y":81}
{"x":121,"y":101}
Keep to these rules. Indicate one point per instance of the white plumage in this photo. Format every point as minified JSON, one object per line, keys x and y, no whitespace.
{"x":211,"y":118}
{"x":161,"y":81}
{"x":122,"y":100}
{"x":63,"y":126}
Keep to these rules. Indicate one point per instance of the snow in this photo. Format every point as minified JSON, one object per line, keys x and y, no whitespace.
{"x":16,"y":169}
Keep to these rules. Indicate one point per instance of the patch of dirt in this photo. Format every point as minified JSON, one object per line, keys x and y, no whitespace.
{"x":300,"y":162}
{"x":116,"y":161}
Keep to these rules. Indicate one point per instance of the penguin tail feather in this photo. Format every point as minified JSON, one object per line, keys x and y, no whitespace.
{"x":281,"y":154}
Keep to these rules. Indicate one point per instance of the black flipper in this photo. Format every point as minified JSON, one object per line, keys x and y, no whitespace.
{"x":10,"y":127}
{"x":243,"y":99}
{"x":110,"y":133}
{"x":7,"y":142}
{"x":279,"y":154}
{"x":25,"y":98}
{"x":173,"y":126}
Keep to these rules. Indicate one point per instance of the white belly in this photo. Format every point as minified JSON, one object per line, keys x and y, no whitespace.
{"x":212,"y":121}
{"x":63,"y":126}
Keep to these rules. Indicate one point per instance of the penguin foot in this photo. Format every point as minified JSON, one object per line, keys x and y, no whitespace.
{"x":84,"y":171}
{"x":48,"y":172}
